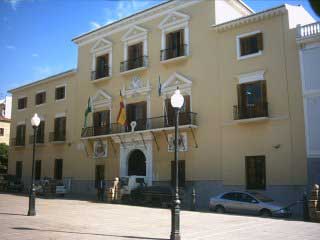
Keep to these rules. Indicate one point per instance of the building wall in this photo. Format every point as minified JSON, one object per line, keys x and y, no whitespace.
{"x":48,"y":151}
{"x":6,"y":127}
{"x":309,"y":50}
{"x":218,"y":162}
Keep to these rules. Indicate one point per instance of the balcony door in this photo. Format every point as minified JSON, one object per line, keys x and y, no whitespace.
{"x":184,"y":116}
{"x":101,"y":121}
{"x":175,"y":44}
{"x":137,"y":112}
{"x":252,"y":99}
{"x":102,"y":66}
{"x":135,"y":54}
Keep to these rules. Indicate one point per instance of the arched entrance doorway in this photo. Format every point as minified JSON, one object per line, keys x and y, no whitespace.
{"x":137,"y":163}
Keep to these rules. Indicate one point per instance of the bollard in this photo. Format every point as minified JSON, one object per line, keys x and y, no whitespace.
{"x":305,"y":208}
{"x":193,"y":205}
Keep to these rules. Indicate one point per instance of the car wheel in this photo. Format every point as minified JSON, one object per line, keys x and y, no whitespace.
{"x":220,"y":209}
{"x":265,"y":213}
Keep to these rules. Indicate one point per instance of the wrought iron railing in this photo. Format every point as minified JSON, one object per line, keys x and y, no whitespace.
{"x":57,"y":137}
{"x":39,"y":139}
{"x":188,"y":118}
{"x":250,"y":111}
{"x":18,"y":142}
{"x":178,"y":51}
{"x":134,"y":63}
{"x":105,"y":72}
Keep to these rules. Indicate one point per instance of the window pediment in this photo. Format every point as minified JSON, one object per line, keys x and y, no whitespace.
{"x":101,"y":99}
{"x":177,"y":80}
{"x":173,"y":19}
{"x":134,"y":33}
{"x":101,"y":44}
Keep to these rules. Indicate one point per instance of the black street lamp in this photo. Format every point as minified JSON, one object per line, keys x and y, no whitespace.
{"x":176,"y":102}
{"x":35,"y":122}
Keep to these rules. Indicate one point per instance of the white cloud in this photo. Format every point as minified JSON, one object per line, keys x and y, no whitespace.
{"x":94,"y":25}
{"x":123,"y":9}
{"x":35,"y":55}
{"x":10,"y":47}
{"x":42,"y":72}
{"x":14,"y":3}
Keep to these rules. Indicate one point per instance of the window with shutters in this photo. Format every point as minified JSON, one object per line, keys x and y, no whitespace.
{"x":58,"y":169}
{"x":184,"y":116}
{"x":255,"y":172}
{"x":137,"y":112}
{"x":101,"y":122}
{"x":19,"y":170}
{"x":37,"y":174}
{"x":1,"y":132}
{"x":135,"y":56}
{"x":60,"y":129}
{"x":249,"y":45}
{"x":252,"y":100}
{"x":181,"y":173}
{"x":40,"y":98}
{"x":102,"y":67}
{"x":21,"y":135}
{"x":60,"y":93}
{"x":22,"y":103}
{"x":40,"y":132}
{"x":175,"y":46}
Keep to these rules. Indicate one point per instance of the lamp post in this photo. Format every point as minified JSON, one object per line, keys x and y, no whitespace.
{"x":176,"y":102}
{"x":35,"y":122}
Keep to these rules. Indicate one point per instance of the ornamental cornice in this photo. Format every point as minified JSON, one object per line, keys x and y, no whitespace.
{"x":251,"y":18}
{"x":135,"y":19}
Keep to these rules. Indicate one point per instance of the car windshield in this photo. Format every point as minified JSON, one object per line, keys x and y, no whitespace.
{"x":261,"y":197}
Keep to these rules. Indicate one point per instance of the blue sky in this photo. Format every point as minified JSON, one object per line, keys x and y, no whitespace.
{"x":35,"y":35}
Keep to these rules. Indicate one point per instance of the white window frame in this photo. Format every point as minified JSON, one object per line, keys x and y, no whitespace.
{"x":130,"y":38}
{"x":96,"y":52}
{"x":175,"y":25}
{"x":65,"y":92}
{"x":239,"y":57}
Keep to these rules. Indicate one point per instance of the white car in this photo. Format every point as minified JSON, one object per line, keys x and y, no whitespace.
{"x":247,"y":203}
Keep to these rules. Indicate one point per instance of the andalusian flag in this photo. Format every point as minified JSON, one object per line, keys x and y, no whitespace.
{"x":122,"y":117}
{"x":88,"y":110}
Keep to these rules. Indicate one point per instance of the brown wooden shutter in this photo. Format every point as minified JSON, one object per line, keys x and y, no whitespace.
{"x":64,"y":126}
{"x":260,"y":41}
{"x":170,"y":112}
{"x":181,"y":37}
{"x":96,"y":119}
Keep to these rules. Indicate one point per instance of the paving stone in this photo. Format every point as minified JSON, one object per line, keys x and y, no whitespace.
{"x":59,"y":219}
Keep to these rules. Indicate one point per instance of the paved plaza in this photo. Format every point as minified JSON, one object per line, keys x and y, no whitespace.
{"x":80,"y":219}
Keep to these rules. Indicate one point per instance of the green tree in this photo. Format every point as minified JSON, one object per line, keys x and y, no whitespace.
{"x":4,"y":154}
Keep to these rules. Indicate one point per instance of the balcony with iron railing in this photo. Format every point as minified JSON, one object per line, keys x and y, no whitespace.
{"x":57,"y":137}
{"x":101,"y":73}
{"x":39,"y":139}
{"x":176,"y":52}
{"x":134,"y":64}
{"x":308,"y":31}
{"x":250,"y":111}
{"x":17,"y":142}
{"x":186,"y":119}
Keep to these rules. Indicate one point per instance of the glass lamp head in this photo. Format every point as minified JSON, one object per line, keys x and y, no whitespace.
{"x":35,"y":120}
{"x":177,"y":99}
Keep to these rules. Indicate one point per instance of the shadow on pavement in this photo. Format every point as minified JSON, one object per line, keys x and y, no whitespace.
{"x":84,"y":233}
{"x":14,"y":214}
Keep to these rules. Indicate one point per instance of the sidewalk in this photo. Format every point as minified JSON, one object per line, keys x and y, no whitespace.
{"x":81,"y":219}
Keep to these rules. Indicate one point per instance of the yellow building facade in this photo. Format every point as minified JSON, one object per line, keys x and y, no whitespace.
{"x":242,"y":124}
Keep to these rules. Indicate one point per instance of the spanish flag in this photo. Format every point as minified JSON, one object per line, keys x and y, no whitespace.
{"x":122,"y":117}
